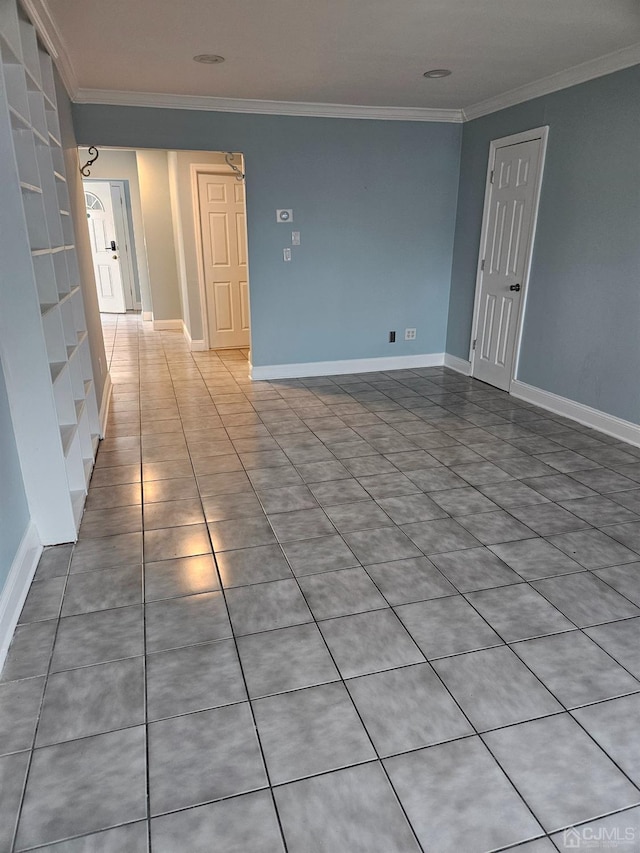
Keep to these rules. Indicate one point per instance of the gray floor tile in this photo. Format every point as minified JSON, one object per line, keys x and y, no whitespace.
{"x":92,"y":700}
{"x":363,"y":515}
{"x":310,"y":731}
{"x":560,"y":772}
{"x":631,"y":500}
{"x":338,"y":492}
{"x":494,"y":688}
{"x":481,"y":473}
{"x":446,"y":626}
{"x":452,"y":793}
{"x":252,"y":565}
{"x":165,"y":514}
{"x":172,"y":542}
{"x":526,"y":466}
{"x":415,"y":579}
{"x":614,"y":727}
{"x":585,"y":599}
{"x":536,"y":558}
{"x":474,"y":568}
{"x":368,"y":466}
{"x":381,"y":545}
{"x":492,"y":528}
{"x":300,"y":524}
{"x":627,"y":534}
{"x":183,"y":576}
{"x":622,"y":641}
{"x":406,"y":708}
{"x":439,"y":536}
{"x":19,"y":710}
{"x":122,"y":550}
{"x":184,"y":621}
{"x":13,"y":770}
{"x":512,"y":494}
{"x":273,"y":478}
{"x":605,"y":481}
{"x":322,"y":554}
{"x":436,"y":480}
{"x":625,"y":579}
{"x":83,"y":786}
{"x":98,"y":523}
{"x":225,"y":483}
{"x":411,"y":508}
{"x":43,"y":601}
{"x":518,"y":612}
{"x":227,"y":507}
{"x":98,"y":637}
{"x":369,"y":642}
{"x":287,"y":499}
{"x":463,"y":501}
{"x":193,"y":678}
{"x":559,"y":487}
{"x":238,"y":825}
{"x":575,"y":669}
{"x":183,"y":750}
{"x":54,"y":562}
{"x":593,"y":549}
{"x":285,"y":659}
{"x":547,"y":519}
{"x":265,"y":606}
{"x":616,"y":829}
{"x":132,"y":838}
{"x":348,"y":811}
{"x":459,"y":455}
{"x":341,"y":593}
{"x":29,"y":652}
{"x":388,"y":485}
{"x":241,"y":533}
{"x":102,"y":590}
{"x":167,"y":491}
{"x":599,"y":511}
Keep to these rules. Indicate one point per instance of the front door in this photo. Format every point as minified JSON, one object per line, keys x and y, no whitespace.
{"x":224,"y":254}
{"x":102,"y":233}
{"x":506,"y":247}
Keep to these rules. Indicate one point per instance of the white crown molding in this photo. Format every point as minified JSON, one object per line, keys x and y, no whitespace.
{"x":609,"y":424}
{"x":42,"y":19}
{"x":350,"y":365}
{"x":599,"y":67}
{"x":245,"y":105}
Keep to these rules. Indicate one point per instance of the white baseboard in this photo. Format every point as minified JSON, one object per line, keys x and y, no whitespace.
{"x":609,"y":424}
{"x":17,"y":585}
{"x":105,"y":403}
{"x":147,"y":316}
{"x":197,"y":345}
{"x":351,"y":365}
{"x":461,"y":365}
{"x":167,"y":325}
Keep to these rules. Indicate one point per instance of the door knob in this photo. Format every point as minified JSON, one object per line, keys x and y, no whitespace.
{"x":115,"y":257}
{"x":515,"y":287}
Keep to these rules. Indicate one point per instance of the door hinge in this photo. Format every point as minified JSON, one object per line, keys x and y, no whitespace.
{"x":473,"y":345}
{"x":492,"y":174}
{"x":482,"y":264}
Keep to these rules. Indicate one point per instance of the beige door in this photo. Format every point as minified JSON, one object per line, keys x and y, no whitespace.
{"x":224,"y":255}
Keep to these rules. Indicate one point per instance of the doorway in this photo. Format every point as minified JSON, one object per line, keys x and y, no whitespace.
{"x":219,"y":204}
{"x":111,"y":250}
{"x":512,"y":195}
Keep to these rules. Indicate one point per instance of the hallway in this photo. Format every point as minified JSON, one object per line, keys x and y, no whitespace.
{"x":381,"y":613}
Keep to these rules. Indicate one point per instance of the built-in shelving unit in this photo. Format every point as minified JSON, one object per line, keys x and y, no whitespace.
{"x":65,"y":422}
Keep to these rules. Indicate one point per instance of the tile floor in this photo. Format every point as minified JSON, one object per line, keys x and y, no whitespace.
{"x":354,"y":614}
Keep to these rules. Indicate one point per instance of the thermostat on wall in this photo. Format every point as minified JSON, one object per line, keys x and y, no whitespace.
{"x":284,"y":215}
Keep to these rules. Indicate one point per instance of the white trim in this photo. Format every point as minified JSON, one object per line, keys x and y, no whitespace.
{"x":44,"y":22}
{"x":260,"y":107}
{"x":167,"y":325}
{"x":194,"y":345}
{"x":147,"y":316}
{"x":609,"y":424}
{"x":541,"y":133}
{"x":603,"y":65}
{"x":461,"y":365}
{"x":16,"y":586}
{"x":105,"y":403}
{"x":138,"y":306}
{"x":350,"y":365}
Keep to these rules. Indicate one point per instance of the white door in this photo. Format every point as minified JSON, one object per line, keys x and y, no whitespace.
{"x":224,"y":256}
{"x":102,"y":233}
{"x":507,"y":240}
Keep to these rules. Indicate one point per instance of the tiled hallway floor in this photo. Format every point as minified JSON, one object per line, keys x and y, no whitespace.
{"x":360,"y":614}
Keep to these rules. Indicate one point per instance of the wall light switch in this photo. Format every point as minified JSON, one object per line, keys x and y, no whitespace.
{"x":286,"y":254}
{"x":284,"y":215}
{"x":295,"y":238}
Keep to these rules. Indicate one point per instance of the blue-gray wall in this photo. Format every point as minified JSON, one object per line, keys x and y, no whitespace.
{"x":14,"y":512}
{"x":582,"y":325}
{"x":375,"y":204}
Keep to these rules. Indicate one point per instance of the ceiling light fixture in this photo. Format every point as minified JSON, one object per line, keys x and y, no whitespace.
{"x":208,"y":58}
{"x":437,"y":73}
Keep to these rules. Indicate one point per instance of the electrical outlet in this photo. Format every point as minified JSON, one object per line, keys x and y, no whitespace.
{"x":409,"y":334}
{"x":286,"y":254}
{"x":392,"y":337}
{"x":295,"y":238}
{"x":284,"y":215}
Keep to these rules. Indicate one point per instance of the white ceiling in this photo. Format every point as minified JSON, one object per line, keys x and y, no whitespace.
{"x":360,"y":52}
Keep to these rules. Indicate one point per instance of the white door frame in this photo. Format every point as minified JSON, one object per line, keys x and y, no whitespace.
{"x":212,"y":169}
{"x":541,"y":133}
